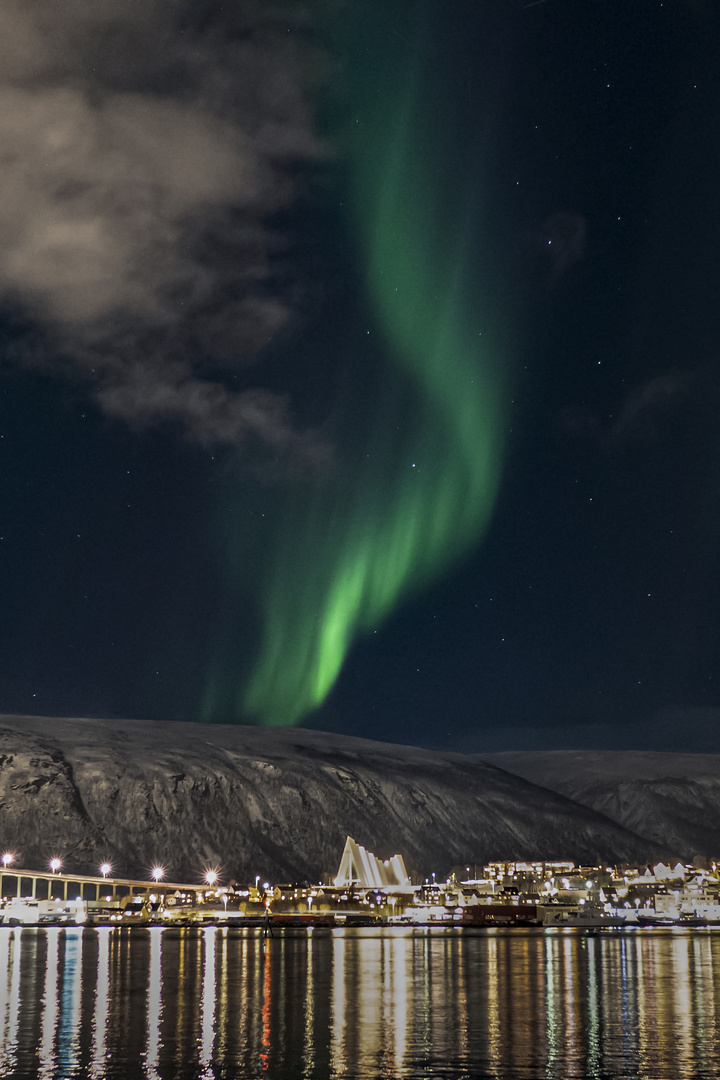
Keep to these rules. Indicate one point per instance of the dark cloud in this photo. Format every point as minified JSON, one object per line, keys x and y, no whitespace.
{"x":648,"y":409}
{"x":143,"y":151}
{"x":648,"y":405}
{"x":147,"y":393}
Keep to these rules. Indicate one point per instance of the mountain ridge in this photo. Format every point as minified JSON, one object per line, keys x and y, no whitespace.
{"x":275,"y":802}
{"x":673,"y":797}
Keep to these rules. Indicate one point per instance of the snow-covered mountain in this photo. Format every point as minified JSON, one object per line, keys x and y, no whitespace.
{"x":278,"y":802}
{"x":672,"y":799}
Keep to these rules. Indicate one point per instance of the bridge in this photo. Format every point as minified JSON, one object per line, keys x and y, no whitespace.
{"x":41,"y":885}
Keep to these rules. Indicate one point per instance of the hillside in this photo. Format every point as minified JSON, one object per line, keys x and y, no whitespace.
{"x":275,"y":802}
{"x":672,"y":799}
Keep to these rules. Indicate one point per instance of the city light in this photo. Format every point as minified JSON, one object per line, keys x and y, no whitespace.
{"x":581,"y":901}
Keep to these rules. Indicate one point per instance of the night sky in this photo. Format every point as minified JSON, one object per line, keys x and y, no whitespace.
{"x":361,"y":367}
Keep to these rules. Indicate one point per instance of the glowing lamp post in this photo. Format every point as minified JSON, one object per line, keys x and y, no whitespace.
{"x":7,"y":858}
{"x":158,"y":873}
{"x":55,"y":865}
{"x":105,"y":869}
{"x":211,"y":877}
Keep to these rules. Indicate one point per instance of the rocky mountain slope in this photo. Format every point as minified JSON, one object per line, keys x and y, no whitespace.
{"x":272,"y":802}
{"x":673,"y":799}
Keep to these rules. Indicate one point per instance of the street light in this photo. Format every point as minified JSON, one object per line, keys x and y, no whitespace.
{"x":211,"y":877}
{"x":105,"y":869}
{"x":55,"y":865}
{"x":7,"y":858}
{"x":158,"y":873}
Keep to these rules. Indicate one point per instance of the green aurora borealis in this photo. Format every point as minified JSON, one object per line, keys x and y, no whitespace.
{"x":381,"y":526}
{"x":399,"y":388}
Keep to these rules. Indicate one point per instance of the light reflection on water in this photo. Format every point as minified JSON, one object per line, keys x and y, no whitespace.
{"x":154,"y":1005}
{"x":208,"y":1003}
{"x":219,"y":1004}
{"x":99,"y":1048}
{"x":50,"y":1003}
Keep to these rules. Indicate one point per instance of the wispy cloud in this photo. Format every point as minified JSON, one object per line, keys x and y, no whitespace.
{"x":143,"y":148}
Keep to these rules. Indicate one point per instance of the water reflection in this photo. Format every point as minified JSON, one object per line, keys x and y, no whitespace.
{"x":337,"y":1059}
{"x":309,"y":1040}
{"x":397,"y":991}
{"x":68,"y":1038}
{"x":10,"y":964}
{"x":154,"y":1006}
{"x":221,"y":1037}
{"x":210,"y":1004}
{"x":593,"y":1007}
{"x":50,"y":1005}
{"x":97,"y":1069}
{"x":266,"y":991}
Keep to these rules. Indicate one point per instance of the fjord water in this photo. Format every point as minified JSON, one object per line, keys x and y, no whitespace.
{"x":218,"y":1004}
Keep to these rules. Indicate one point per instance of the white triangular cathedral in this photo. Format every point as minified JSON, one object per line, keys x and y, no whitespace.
{"x":360,"y":867}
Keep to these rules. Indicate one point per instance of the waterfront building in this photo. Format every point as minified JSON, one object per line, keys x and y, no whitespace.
{"x":360,"y":868}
